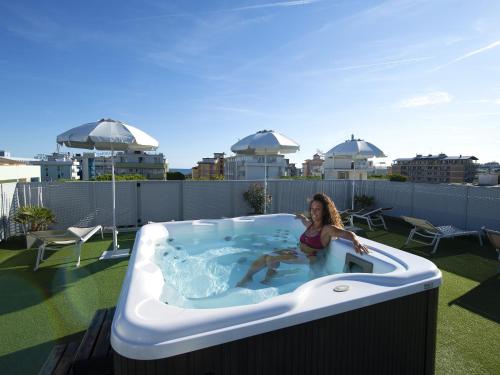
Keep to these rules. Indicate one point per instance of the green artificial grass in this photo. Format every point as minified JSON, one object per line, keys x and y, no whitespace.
{"x":468,"y":331}
{"x":56,"y":303}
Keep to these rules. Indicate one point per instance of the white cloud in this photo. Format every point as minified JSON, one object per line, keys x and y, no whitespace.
{"x":470,"y":54}
{"x":437,"y":97}
{"x":494,"y":101}
{"x":276,"y":4}
{"x":381,"y":64}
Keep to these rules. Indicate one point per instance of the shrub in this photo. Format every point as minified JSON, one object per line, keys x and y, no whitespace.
{"x":123,"y":177}
{"x":398,"y":177}
{"x":363,"y":201}
{"x":378,"y":177}
{"x":301,"y":177}
{"x":175,"y":176}
{"x":34,"y":218}
{"x":254,"y":196}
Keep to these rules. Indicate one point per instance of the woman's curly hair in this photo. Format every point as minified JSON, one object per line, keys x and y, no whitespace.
{"x":330,"y":214}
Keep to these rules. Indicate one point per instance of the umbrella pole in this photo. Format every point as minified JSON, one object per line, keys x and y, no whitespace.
{"x":115,"y":253}
{"x":113,"y":189}
{"x":353,"y":181}
{"x":265,"y":182}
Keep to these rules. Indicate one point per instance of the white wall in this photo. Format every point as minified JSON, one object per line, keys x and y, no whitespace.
{"x":19,"y":172}
{"x":334,"y":165}
{"x":488,"y":179}
{"x":252,"y":167}
{"x":256,"y":172}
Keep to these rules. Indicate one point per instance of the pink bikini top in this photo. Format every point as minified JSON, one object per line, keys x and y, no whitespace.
{"x":312,"y":241}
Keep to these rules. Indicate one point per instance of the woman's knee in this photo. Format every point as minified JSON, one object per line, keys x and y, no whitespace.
{"x":260,"y":261}
{"x":272,"y":262}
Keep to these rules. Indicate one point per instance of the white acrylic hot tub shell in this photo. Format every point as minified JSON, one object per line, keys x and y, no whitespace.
{"x":145,"y":328}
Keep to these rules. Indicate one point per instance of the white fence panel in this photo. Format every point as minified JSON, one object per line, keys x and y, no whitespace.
{"x":441,"y":204}
{"x":206,"y":199}
{"x":397,"y":195}
{"x":70,"y":202}
{"x":291,"y":196}
{"x":126,"y":202}
{"x":483,"y":207}
{"x":160,"y":201}
{"x":7,"y":209}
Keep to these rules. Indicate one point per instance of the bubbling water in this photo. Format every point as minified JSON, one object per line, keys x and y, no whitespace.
{"x":203,"y":274}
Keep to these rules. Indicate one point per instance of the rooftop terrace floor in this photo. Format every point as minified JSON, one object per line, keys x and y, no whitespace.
{"x":56,"y":303}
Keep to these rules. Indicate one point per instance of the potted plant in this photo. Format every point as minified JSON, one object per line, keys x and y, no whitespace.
{"x":33,"y":218}
{"x":363,"y":201}
{"x":255,"y":198}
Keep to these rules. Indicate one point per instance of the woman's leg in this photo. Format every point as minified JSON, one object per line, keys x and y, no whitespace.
{"x":271,"y":262}
{"x":254,"y":268}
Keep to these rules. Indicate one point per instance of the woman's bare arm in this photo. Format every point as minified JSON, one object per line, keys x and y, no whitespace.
{"x":348,"y":235}
{"x":302,"y":218}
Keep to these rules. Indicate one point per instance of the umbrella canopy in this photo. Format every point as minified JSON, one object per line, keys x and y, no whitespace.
{"x":107,"y":134}
{"x":265,"y":142}
{"x":356,"y":148}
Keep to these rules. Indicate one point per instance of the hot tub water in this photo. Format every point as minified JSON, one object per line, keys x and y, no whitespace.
{"x":203,"y":273}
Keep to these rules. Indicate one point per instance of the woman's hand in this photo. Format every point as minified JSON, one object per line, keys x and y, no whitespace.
{"x":299,"y":215}
{"x":359,"y":248}
{"x":302,"y":217}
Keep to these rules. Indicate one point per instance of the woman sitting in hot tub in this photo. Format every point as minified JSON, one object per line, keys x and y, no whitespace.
{"x":325,"y":224}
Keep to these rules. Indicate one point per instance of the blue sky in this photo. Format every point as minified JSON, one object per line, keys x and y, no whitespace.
{"x":409,"y":76}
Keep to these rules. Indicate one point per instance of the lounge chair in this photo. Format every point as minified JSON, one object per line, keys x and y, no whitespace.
{"x":347,"y":220}
{"x":425,"y":229}
{"x":494,"y":237}
{"x":56,"y":239}
{"x":373,"y":216}
{"x":346,"y":217}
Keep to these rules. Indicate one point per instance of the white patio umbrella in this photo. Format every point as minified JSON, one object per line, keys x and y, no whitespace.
{"x":356,"y":149}
{"x":265,"y":142}
{"x":110,"y":135}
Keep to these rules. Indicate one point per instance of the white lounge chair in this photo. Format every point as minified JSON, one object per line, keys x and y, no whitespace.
{"x":347,"y":220}
{"x":494,"y":237}
{"x":373,"y":216}
{"x":425,"y":229}
{"x":56,"y":239}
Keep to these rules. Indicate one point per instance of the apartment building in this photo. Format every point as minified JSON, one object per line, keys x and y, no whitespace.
{"x":58,"y":166}
{"x":151,"y":166}
{"x":313,"y":167}
{"x":345,"y":168}
{"x":251,"y":167}
{"x":436,"y":168}
{"x":290,"y":169}
{"x":209,"y":168}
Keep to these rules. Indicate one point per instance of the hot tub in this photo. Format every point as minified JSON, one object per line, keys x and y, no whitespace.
{"x":374,"y":313}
